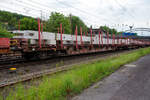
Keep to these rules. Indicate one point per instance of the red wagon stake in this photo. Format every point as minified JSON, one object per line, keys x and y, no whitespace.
{"x":127,"y":40}
{"x":107,"y":39}
{"x":121,"y":39}
{"x":117,"y":39}
{"x":91,"y":39}
{"x":81,"y":36}
{"x":130,"y":40}
{"x":61,"y":36}
{"x":99,"y":37}
{"x":76,"y":32}
{"x":42,"y":34}
{"x":39,"y":33}
{"x":113,"y":39}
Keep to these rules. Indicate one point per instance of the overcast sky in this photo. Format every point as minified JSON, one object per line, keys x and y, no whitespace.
{"x":113,"y":13}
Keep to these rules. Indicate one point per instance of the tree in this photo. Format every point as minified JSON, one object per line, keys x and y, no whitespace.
{"x":107,"y":29}
{"x":113,"y":31}
{"x":4,"y":32}
{"x":77,"y":21}
{"x":104,"y":28}
{"x":28,"y":24}
{"x":11,"y":19}
{"x":55,"y":20}
{"x":12,"y":23}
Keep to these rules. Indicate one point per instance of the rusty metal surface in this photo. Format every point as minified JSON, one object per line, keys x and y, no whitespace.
{"x":4,"y":42}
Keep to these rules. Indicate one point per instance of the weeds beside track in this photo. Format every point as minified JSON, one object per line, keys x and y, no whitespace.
{"x":63,"y":85}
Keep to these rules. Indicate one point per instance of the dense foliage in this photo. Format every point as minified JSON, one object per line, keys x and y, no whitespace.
{"x":10,"y":19}
{"x":107,"y":29}
{"x":55,"y":20}
{"x":77,"y":21}
{"x":28,"y":24}
{"x":69,"y":23}
{"x":4,"y":32}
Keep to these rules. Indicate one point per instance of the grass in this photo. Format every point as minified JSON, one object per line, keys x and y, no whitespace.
{"x":62,"y":85}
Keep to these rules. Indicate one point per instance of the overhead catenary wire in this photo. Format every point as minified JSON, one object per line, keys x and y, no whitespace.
{"x":124,"y":8}
{"x":22,"y":12}
{"x":91,"y":14}
{"x":77,"y":9}
{"x":33,"y":6}
{"x":86,"y":13}
{"x":16,"y":11}
{"x":30,"y":8}
{"x":34,"y":10}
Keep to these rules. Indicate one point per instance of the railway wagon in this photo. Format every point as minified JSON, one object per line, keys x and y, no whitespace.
{"x":9,"y":49}
{"x":44,"y":44}
{"x":29,"y":44}
{"x":4,"y":45}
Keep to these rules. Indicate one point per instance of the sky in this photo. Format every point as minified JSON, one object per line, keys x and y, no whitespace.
{"x":118,"y":14}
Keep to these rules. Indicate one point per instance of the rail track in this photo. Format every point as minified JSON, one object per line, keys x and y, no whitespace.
{"x":68,"y":62}
{"x":8,"y":62}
